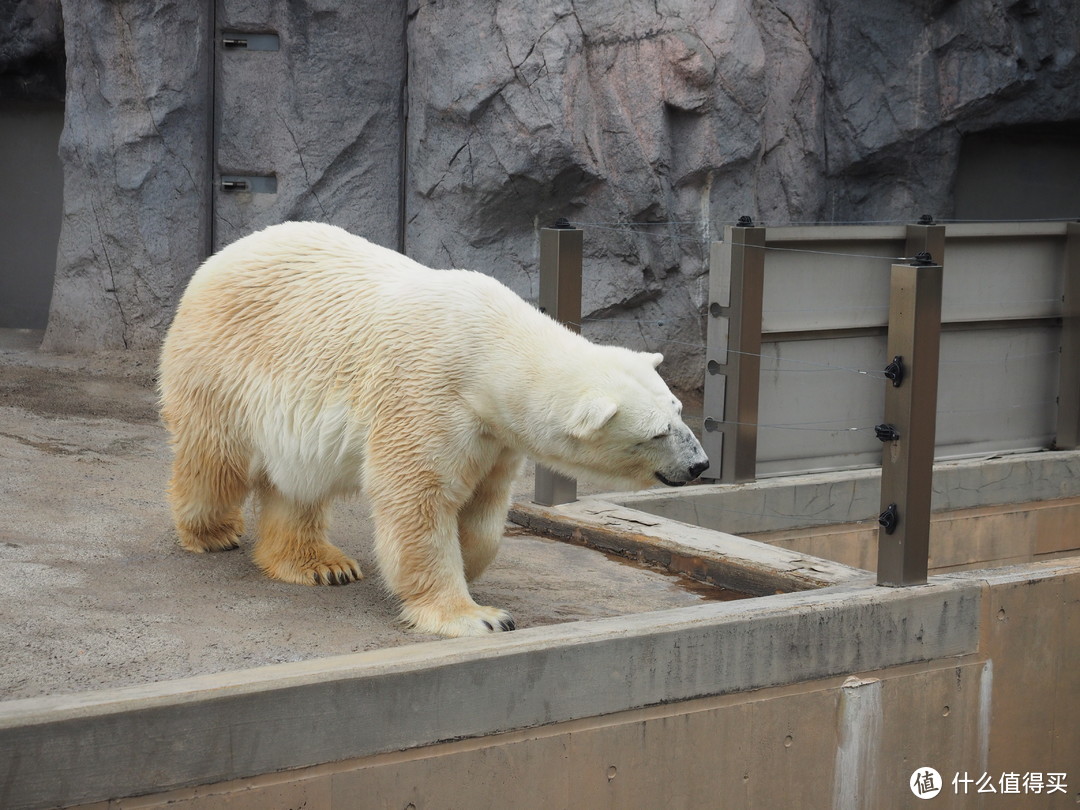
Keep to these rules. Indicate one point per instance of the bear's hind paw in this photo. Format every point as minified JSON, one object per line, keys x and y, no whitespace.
{"x":336,"y":575}
{"x":221,"y":537}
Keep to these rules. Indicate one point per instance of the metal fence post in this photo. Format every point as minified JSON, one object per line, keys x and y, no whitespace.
{"x":560,"y":297}
{"x":911,"y":412}
{"x":1068,"y":421}
{"x":733,"y":361}
{"x":926,"y":237}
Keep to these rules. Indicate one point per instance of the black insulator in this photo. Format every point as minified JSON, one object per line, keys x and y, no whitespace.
{"x":895,"y":371}
{"x":888,"y":519}
{"x":886,"y":433}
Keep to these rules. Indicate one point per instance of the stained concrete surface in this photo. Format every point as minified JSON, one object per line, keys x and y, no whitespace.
{"x":96,"y":593}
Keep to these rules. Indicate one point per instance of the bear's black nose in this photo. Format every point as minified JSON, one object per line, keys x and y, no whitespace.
{"x":698,"y":469}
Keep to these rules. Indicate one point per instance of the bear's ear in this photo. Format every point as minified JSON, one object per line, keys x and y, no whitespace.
{"x":656,"y":359}
{"x":591,"y":415}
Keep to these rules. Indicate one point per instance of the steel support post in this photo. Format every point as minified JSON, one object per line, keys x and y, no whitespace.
{"x":733,"y":361}
{"x":560,"y":297}
{"x":1068,"y":422}
{"x":925,"y":237}
{"x":911,"y":409}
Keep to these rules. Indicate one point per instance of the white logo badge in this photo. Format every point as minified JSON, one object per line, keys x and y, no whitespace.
{"x":925,"y":783}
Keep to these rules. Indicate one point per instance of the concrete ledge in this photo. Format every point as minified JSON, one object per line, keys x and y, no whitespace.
{"x":775,"y":504}
{"x":126,"y":742}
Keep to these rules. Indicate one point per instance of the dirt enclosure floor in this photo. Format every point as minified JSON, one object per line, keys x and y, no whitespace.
{"x":96,"y":592}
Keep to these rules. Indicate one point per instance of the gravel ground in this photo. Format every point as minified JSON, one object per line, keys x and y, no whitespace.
{"x":96,"y":593}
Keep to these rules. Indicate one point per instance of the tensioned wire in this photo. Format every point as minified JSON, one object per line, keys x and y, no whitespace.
{"x":663,"y":321}
{"x":881,"y":374}
{"x":869,"y":374}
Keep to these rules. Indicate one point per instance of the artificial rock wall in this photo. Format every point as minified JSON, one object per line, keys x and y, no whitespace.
{"x":136,"y":171}
{"x":696,"y":113}
{"x":158,"y":110}
{"x":456,"y":131}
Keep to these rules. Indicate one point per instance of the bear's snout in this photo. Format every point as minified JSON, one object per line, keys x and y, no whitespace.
{"x":692,"y":472}
{"x":685,"y":450}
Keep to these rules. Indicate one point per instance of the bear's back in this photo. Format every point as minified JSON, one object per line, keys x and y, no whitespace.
{"x":312,"y":302}
{"x":305,"y":253}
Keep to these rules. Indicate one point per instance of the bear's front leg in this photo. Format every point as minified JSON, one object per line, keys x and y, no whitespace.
{"x":482,"y":521}
{"x":416,"y":543}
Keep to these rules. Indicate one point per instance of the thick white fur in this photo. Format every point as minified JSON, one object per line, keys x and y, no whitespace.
{"x":304,"y":362}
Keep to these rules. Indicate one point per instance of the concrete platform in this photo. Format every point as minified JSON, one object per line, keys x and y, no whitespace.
{"x":97,"y":593}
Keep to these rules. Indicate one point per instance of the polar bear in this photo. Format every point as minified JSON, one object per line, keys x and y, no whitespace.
{"x":305,"y":363}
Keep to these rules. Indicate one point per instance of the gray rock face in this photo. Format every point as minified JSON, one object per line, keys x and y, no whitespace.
{"x":692,"y":114}
{"x":602,"y":113}
{"x":905,"y":85}
{"x":655,"y":122}
{"x":158,"y":110}
{"x":136,"y":170}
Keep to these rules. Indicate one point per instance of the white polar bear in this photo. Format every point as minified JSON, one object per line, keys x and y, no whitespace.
{"x":305,"y":362}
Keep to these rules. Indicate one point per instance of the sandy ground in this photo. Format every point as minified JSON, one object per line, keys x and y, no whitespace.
{"x":95,"y":591}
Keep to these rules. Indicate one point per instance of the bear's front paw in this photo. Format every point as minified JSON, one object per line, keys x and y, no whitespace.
{"x":473,"y":620}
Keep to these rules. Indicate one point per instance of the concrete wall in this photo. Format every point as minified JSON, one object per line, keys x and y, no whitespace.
{"x":982,"y":537}
{"x":818,"y":744}
{"x":126,"y":742}
{"x":992,"y":688}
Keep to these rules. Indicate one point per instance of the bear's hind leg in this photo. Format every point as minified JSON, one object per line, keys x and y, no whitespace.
{"x":206,"y":493}
{"x":482,"y":521}
{"x":292,"y":544}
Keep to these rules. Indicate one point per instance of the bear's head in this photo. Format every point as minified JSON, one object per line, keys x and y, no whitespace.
{"x":624,"y":427}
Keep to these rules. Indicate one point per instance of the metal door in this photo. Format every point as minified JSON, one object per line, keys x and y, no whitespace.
{"x":308,"y":116}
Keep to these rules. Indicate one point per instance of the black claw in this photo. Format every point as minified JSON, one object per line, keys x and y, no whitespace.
{"x":487,"y":624}
{"x":508,"y":624}
{"x":343,"y":578}
{"x":318,"y":579}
